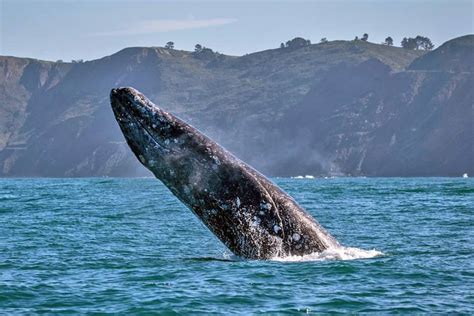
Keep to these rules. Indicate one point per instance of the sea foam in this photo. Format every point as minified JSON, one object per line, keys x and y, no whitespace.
{"x":336,"y":253}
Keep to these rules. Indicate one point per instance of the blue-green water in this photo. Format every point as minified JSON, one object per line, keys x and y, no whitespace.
{"x":128,"y":246}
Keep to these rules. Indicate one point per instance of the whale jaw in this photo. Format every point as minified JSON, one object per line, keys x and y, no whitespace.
{"x":147,"y":128}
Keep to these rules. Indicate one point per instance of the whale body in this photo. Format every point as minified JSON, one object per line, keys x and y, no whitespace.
{"x":252,"y":216}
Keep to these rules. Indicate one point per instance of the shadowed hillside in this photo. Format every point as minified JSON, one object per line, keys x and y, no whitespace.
{"x":337,"y":108}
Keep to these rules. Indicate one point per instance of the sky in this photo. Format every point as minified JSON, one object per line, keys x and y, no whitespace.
{"x":66,"y":30}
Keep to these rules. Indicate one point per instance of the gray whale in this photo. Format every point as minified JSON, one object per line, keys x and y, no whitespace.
{"x":252,"y":216}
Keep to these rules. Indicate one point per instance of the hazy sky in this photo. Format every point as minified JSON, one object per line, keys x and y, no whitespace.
{"x":92,"y":29}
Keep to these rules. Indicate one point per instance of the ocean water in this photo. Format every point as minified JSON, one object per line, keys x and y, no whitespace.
{"x":127,"y":246}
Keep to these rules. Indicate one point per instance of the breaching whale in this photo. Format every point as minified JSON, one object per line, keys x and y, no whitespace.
{"x":252,"y":216}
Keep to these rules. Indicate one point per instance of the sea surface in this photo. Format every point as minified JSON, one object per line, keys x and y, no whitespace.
{"x":128,"y":246}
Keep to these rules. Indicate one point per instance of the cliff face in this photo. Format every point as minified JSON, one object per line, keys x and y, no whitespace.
{"x":335,"y":108}
{"x":383,"y":123}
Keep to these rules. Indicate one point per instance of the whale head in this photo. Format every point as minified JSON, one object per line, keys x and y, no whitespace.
{"x":154,"y":135}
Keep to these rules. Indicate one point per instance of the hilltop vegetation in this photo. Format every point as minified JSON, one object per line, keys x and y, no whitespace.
{"x":334,"y":108}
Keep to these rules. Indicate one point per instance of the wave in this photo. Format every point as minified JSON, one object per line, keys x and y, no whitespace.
{"x":308,"y":176}
{"x":339,"y":253}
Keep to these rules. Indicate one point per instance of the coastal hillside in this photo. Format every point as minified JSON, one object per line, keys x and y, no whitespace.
{"x":335,"y":108}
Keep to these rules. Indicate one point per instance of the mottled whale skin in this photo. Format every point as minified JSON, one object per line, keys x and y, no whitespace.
{"x":253,"y":217}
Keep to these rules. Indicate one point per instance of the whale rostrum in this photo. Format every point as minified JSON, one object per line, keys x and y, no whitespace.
{"x":252,"y":216}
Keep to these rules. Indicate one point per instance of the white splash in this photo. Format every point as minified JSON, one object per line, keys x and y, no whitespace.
{"x":231,"y":257}
{"x":465,"y":175}
{"x":339,"y":253}
{"x":308,"y":176}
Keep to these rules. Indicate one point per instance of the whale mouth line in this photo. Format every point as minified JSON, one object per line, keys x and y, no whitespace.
{"x":127,"y":116}
{"x":144,"y":128}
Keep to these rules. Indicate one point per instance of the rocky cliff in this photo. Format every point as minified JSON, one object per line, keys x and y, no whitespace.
{"x":337,"y":108}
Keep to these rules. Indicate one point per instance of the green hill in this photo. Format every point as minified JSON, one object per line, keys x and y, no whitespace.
{"x":342,"y":107}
